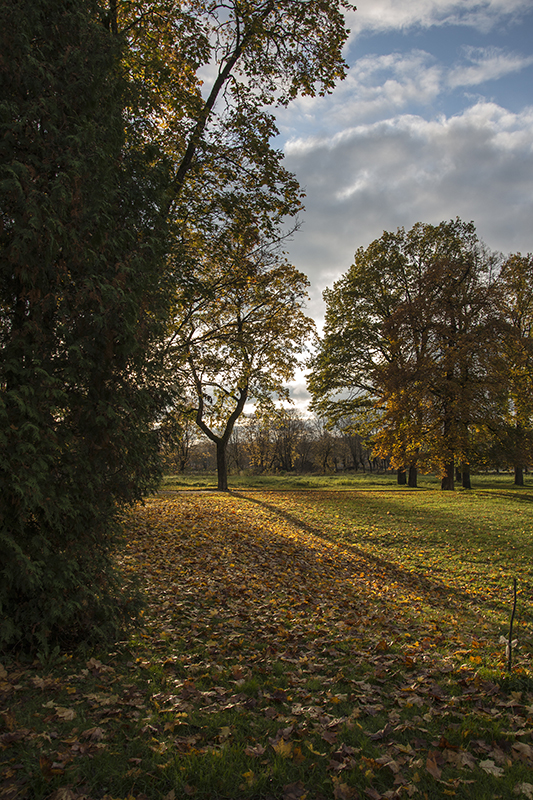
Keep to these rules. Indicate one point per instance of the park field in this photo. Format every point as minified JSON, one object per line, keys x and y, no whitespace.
{"x":339,"y":638}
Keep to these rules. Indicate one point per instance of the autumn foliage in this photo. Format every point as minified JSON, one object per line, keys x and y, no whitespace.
{"x":295,"y":645}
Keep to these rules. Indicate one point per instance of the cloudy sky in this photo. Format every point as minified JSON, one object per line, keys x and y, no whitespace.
{"x":434,"y":121}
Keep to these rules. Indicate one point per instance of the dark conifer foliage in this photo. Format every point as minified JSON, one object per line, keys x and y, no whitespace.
{"x":82,"y":243}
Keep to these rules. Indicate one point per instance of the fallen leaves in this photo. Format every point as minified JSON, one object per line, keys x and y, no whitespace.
{"x":269,"y":643}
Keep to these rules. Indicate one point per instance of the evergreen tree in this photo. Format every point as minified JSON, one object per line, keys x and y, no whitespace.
{"x":82,"y":239}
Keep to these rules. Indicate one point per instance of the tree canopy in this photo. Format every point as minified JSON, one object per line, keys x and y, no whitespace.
{"x":82,"y":289}
{"x":239,"y":344}
{"x":411,"y":334}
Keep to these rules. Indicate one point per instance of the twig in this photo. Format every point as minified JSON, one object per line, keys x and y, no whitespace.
{"x":510,"y":644}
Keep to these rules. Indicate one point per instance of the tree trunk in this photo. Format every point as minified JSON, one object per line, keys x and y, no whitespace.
{"x":402,"y":478}
{"x":465,"y":470}
{"x":222,"y":466}
{"x":518,"y":476}
{"x":413,"y":477}
{"x":447,"y":482}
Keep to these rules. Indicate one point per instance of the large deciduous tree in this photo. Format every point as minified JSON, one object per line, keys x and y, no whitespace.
{"x":120,"y":121}
{"x":238,"y":345}
{"x":515,"y":434}
{"x":412,"y":329}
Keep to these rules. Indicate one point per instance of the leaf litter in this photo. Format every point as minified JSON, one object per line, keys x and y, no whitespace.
{"x":272,"y":662}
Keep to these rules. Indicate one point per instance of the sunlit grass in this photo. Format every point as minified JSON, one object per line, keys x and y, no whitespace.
{"x":318,"y":644}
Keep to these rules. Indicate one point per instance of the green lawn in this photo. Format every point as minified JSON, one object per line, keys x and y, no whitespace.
{"x":341,"y":481}
{"x":340,"y":642}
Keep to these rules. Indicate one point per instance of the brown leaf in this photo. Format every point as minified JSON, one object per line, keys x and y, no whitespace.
{"x":65,"y":793}
{"x":372,"y":793}
{"x":341,"y":791}
{"x":525,"y":789}
{"x":294,"y":791}
{"x":432,"y":768}
{"x":94,"y":734}
{"x":490,"y":768}
{"x":49,"y":768}
{"x":256,"y":751}
{"x":523,"y":751}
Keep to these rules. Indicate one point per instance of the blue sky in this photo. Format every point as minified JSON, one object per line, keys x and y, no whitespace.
{"x":434,"y":121}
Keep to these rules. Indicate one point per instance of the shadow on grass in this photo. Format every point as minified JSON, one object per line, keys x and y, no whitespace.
{"x":434,"y":593}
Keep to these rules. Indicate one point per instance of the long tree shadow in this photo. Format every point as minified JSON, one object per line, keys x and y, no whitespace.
{"x":435,"y":593}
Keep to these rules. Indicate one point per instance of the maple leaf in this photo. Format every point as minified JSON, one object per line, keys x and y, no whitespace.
{"x":523,"y":751}
{"x":256,"y":751}
{"x":372,"y":793}
{"x":294,"y":791}
{"x":282,"y":748}
{"x":341,"y":791}
{"x":490,"y":768}
{"x":66,"y":714}
{"x":249,"y":777}
{"x":94,"y":734}
{"x":65,"y":793}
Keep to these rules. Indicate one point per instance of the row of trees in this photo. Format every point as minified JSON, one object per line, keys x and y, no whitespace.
{"x":278,"y":442}
{"x":140,"y":195}
{"x":428,"y":348}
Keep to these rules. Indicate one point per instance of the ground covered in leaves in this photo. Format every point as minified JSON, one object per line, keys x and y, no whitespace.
{"x":295,"y":645}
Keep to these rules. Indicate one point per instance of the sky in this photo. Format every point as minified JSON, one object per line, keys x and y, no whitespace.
{"x":434,"y":121}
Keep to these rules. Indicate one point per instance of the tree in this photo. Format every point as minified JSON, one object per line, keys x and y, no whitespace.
{"x":108,"y":141}
{"x":261,"y":53}
{"x":411,"y":331}
{"x":82,"y":294}
{"x":240,"y":345}
{"x":515,"y":283}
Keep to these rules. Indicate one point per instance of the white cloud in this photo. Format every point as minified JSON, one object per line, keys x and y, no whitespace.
{"x":486,"y":64}
{"x":384,"y":15}
{"x":382,"y":86}
{"x":477,"y":165}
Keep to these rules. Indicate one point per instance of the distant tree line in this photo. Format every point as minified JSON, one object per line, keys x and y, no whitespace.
{"x":283,"y":442}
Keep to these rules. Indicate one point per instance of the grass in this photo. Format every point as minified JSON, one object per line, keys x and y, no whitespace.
{"x":297,"y":644}
{"x":342,"y":481}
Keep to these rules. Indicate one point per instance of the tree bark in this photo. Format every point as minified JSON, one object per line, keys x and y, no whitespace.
{"x":402,"y":478}
{"x":413,"y":477}
{"x":465,"y":471}
{"x":447,"y":483}
{"x":222,"y":465}
{"x":518,"y":476}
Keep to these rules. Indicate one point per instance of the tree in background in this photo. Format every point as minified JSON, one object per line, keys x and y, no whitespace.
{"x":451,"y":323}
{"x":515,"y":435}
{"x":409,"y":338}
{"x":240,"y":345}
{"x":82,"y":300}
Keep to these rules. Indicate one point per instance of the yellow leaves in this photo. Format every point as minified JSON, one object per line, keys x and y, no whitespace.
{"x":312,"y":750}
{"x":283,"y":748}
{"x":249,"y":777}
{"x":224,"y":734}
{"x":64,"y":714}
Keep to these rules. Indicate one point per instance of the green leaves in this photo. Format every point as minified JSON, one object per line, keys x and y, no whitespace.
{"x":81,"y":245}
